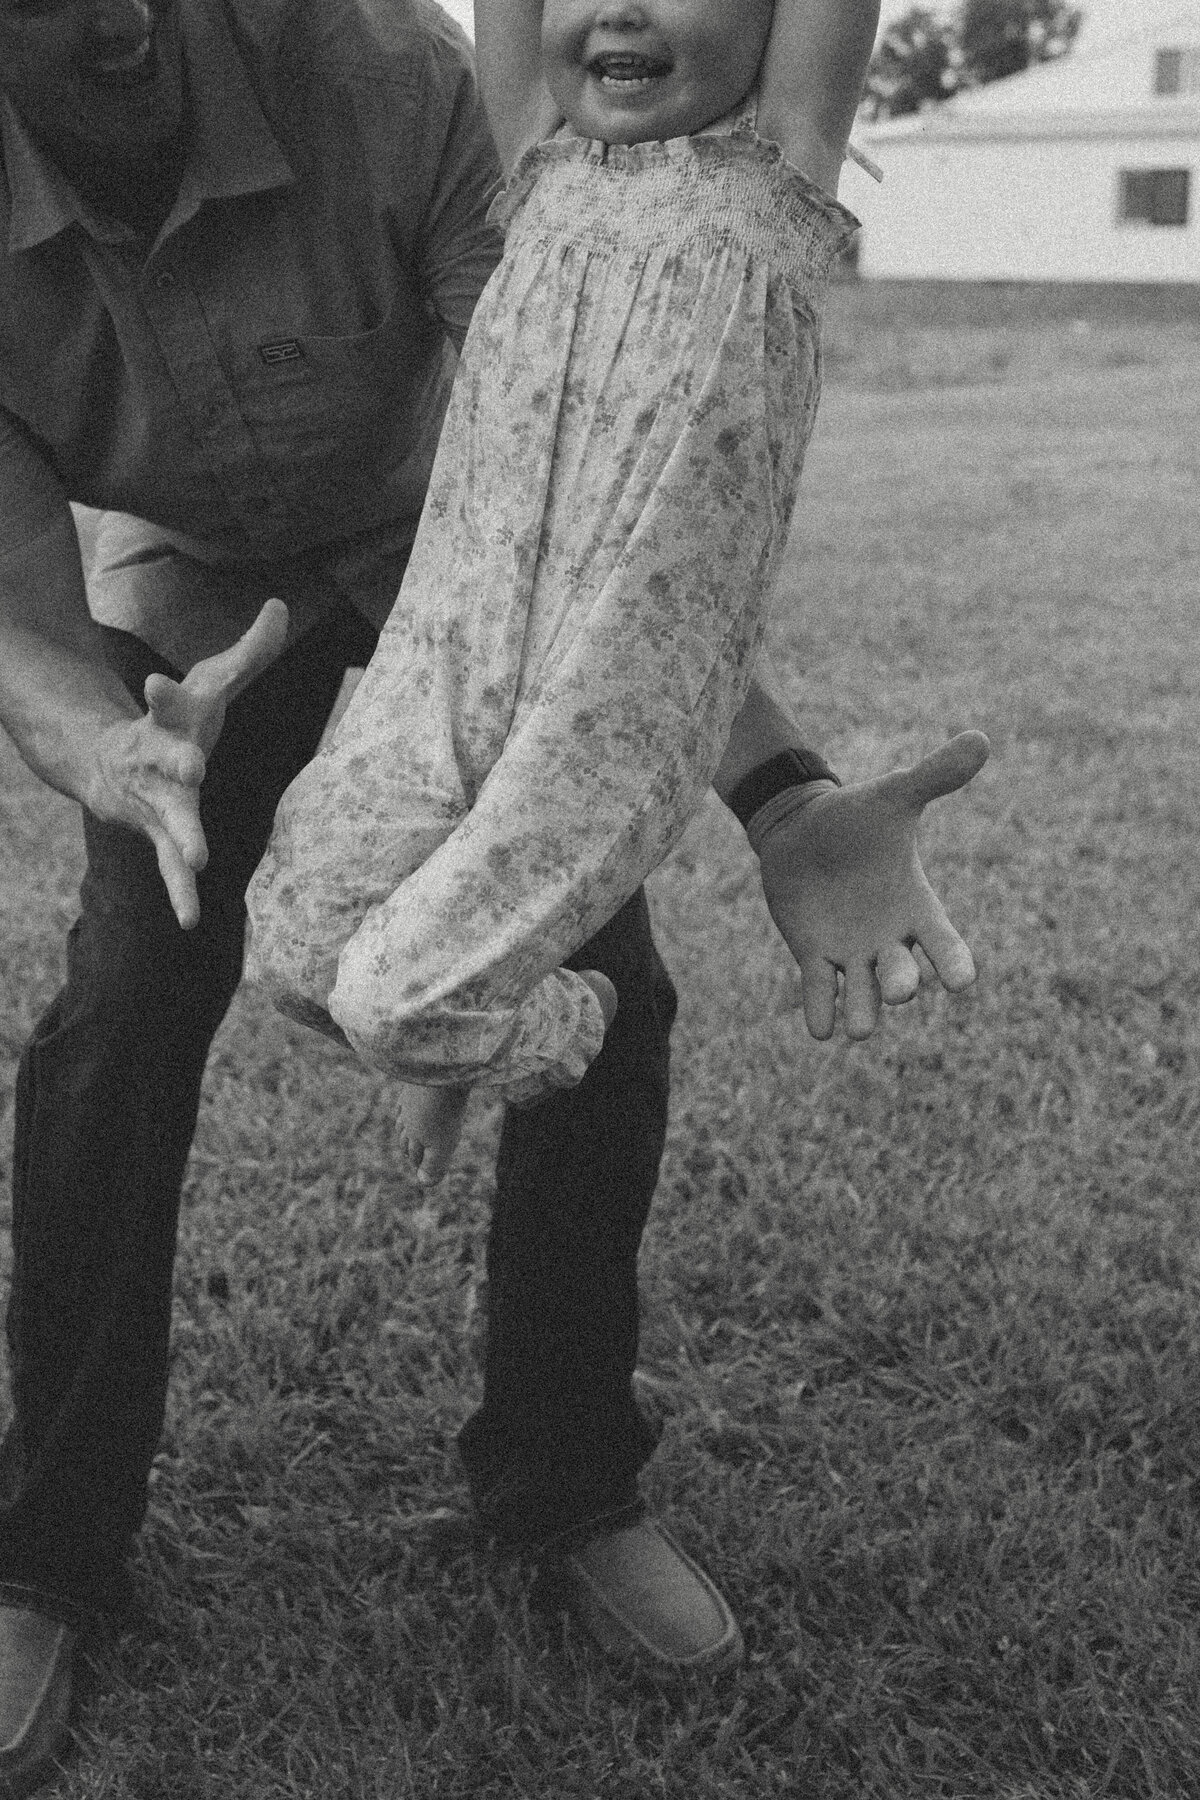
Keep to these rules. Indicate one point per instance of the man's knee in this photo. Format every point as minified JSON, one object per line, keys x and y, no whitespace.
{"x":129,"y":962}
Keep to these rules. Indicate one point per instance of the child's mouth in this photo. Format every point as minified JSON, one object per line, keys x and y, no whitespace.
{"x":625,"y":69}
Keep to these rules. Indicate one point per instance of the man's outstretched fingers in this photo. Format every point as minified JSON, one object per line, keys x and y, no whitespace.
{"x":178,"y":879}
{"x":944,"y":770}
{"x":952,"y":961}
{"x":860,"y":1000}
{"x":195,"y":707}
{"x":175,"y":816}
{"x":174,"y":753}
{"x":223,"y":677}
{"x":818,"y":980}
{"x":899,"y":974}
{"x":265,"y":640}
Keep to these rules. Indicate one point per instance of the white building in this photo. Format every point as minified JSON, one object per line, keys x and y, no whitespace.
{"x":1083,"y":169}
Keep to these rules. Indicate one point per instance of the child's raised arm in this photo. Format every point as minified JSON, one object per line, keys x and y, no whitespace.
{"x":508,"y":49}
{"x":812,"y":79}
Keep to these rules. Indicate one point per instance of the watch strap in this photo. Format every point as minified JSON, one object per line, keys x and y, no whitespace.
{"x":789,"y":769}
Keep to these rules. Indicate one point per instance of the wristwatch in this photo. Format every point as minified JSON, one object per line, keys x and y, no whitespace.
{"x":789,"y":769}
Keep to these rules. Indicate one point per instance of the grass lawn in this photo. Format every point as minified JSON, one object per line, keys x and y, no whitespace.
{"x":922,"y":1316}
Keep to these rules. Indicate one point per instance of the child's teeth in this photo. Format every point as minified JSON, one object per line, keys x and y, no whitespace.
{"x":637,"y":69}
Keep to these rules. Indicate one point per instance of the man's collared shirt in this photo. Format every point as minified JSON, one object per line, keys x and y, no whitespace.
{"x":269,"y":377}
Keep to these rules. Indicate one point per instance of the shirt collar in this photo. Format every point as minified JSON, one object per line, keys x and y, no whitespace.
{"x":233,"y":149}
{"x":43,"y":201}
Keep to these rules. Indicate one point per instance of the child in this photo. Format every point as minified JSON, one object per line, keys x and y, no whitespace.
{"x":587,"y":592}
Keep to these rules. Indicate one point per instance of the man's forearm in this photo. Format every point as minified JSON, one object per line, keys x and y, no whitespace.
{"x":763,"y":729}
{"x":56,"y":692}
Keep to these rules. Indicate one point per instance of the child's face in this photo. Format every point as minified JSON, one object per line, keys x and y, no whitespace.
{"x":629,"y":71}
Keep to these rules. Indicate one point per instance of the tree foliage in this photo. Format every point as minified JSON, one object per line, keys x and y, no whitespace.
{"x":927,"y":55}
{"x":1001,"y":37}
{"x":912,"y":64}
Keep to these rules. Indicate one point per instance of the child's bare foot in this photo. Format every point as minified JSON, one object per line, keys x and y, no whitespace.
{"x":604,"y":991}
{"x":431,"y":1119}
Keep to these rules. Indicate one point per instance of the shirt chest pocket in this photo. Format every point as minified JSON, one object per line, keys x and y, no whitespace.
{"x":339,"y":409}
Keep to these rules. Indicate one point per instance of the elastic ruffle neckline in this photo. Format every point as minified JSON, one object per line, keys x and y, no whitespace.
{"x":743,"y":142}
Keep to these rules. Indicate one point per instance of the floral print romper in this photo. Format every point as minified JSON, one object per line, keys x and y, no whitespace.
{"x":576,"y":629}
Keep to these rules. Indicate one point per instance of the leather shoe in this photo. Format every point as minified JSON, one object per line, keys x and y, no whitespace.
{"x":642,"y":1598}
{"x":35,"y":1695}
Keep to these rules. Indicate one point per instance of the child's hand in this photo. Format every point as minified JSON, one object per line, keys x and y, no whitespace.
{"x":431,"y":1121}
{"x":845,"y":886}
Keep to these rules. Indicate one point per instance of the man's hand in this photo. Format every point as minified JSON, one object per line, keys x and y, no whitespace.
{"x":149,"y":769}
{"x":845,"y":886}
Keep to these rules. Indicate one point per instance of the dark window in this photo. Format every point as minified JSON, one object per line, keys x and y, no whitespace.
{"x":1177,"y":72}
{"x":1168,"y":71}
{"x":1155,"y":196}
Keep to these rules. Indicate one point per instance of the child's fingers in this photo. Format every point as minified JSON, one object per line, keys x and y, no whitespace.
{"x":434,"y":1164}
{"x":604,"y":991}
{"x":428,"y":1162}
{"x":430,"y":1121}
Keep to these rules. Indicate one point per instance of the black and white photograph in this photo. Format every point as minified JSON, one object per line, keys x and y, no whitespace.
{"x":599,"y":899}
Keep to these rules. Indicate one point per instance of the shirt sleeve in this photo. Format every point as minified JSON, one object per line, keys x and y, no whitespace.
{"x":31,"y":494}
{"x":459,"y":247}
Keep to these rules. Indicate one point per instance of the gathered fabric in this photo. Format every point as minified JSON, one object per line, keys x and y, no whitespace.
{"x":579,"y":620}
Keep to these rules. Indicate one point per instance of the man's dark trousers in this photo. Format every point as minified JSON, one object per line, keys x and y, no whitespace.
{"x":107,"y":1098}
